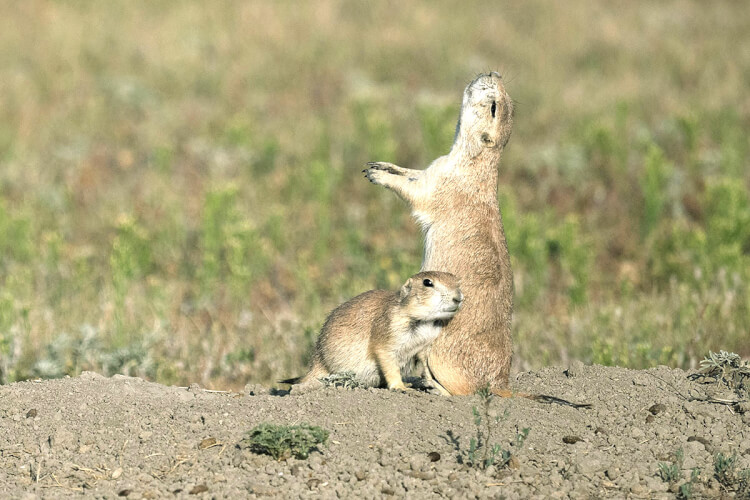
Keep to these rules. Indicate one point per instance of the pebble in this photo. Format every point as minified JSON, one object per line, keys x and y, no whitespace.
{"x":637,"y":433}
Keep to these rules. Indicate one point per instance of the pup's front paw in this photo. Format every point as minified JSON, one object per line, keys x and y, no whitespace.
{"x":400,"y":386}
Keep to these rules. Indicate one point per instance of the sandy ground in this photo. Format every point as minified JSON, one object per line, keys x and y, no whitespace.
{"x":103,"y":437}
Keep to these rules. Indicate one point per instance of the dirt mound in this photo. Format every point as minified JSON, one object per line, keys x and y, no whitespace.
{"x":96,"y":436}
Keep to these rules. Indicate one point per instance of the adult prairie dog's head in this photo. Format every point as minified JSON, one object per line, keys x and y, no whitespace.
{"x":431,"y":295}
{"x":486,"y":115}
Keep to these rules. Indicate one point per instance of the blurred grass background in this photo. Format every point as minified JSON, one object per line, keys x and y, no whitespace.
{"x":181,"y":196}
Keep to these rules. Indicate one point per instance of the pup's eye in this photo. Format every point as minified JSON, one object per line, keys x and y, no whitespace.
{"x":493,"y":109}
{"x":427,"y":282}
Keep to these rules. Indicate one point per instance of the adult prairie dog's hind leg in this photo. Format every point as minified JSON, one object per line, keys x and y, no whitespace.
{"x":394,"y":169}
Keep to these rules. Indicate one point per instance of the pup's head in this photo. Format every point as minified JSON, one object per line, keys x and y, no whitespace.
{"x":486,"y":117}
{"x":432,"y":295}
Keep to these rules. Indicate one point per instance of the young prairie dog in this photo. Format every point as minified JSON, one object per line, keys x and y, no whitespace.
{"x":377,"y":334}
{"x":455,"y":202}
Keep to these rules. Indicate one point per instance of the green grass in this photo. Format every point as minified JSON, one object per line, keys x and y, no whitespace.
{"x":181,"y":196}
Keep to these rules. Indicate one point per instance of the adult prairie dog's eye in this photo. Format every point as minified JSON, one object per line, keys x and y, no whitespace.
{"x":493,"y":109}
{"x":427,"y":282}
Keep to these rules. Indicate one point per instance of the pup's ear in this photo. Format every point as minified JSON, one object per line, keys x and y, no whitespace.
{"x":405,"y":290}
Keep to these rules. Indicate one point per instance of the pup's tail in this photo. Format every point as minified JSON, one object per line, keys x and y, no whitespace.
{"x":540,"y":398}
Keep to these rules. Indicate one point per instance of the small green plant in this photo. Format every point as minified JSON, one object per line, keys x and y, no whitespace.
{"x":284,"y":441}
{"x":726,"y":472}
{"x":685,"y":490}
{"x":490,"y":454}
{"x":670,"y":473}
{"x":725,"y":469}
{"x":521,"y":436}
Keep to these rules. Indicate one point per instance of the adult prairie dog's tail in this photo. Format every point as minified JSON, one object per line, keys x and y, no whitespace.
{"x":540,"y":398}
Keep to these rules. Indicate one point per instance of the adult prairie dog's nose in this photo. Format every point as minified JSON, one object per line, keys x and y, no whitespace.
{"x":458,"y":298}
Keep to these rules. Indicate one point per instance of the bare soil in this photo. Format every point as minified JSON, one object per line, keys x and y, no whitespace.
{"x":100,"y":437}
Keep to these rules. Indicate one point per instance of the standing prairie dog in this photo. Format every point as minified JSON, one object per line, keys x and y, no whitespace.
{"x":455,"y":202}
{"x":377,"y":334}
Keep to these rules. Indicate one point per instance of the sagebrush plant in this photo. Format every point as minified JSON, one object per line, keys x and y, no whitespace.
{"x":205,"y":203}
{"x":346,"y":380}
{"x":729,"y":370}
{"x":285,"y":441}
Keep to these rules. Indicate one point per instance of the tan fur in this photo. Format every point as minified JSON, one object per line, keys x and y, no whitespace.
{"x":377,"y":334}
{"x":455,"y":202}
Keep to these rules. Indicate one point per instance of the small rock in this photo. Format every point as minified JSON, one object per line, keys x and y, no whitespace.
{"x":513,"y":463}
{"x":433,"y":456}
{"x":195,"y":388}
{"x":255,"y":390}
{"x":262,"y":490}
{"x":613,"y":473}
{"x":600,"y":430}
{"x":117,"y":473}
{"x":649,"y":419}
{"x":657,"y":408}
{"x":313,"y":483}
{"x":145,"y":435}
{"x":199,"y":488}
{"x":424,"y":475}
{"x":571,"y":439}
{"x":315,"y":462}
{"x":417,"y":462}
{"x":589,"y":464}
{"x":360,"y":475}
{"x":637,"y":489}
{"x":387,"y":490}
{"x":124,"y":493}
{"x":31,"y":413}
{"x":705,"y":442}
{"x":656,"y":484}
{"x":574,"y":369}
{"x":207,"y":443}
{"x":637,"y":433}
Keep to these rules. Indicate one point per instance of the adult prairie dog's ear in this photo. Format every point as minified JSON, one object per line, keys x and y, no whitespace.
{"x":405,"y":290}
